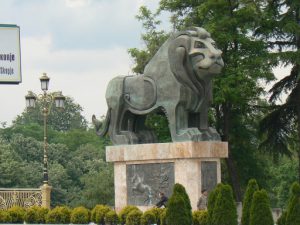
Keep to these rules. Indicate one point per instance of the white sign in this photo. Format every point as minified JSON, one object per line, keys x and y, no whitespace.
{"x":10,"y":54}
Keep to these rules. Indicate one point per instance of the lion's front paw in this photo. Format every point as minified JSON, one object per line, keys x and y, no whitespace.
{"x":193,"y":134}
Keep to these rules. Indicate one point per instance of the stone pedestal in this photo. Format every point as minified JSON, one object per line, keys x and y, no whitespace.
{"x":141,"y":171}
{"x":46,"y":195}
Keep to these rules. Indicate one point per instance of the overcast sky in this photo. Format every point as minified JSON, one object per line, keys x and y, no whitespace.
{"x":80,"y":44}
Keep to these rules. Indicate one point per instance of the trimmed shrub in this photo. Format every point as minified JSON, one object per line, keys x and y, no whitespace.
{"x":211,"y":202}
{"x":59,"y":214}
{"x":251,"y":188}
{"x":260,"y":212}
{"x":179,"y":207}
{"x":225,"y":212}
{"x":17,"y":214}
{"x":5,"y":217}
{"x":157,"y":213}
{"x":293,"y":211}
{"x":124,"y":213}
{"x":134,"y":217}
{"x":80,"y":215}
{"x":282,"y":219}
{"x":148,"y":218}
{"x":163,"y":217}
{"x":111,"y":218}
{"x":98,"y":213}
{"x":35,"y":214}
{"x":200,"y":217}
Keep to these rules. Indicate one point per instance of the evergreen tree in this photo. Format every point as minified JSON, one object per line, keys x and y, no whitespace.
{"x":293,"y":210}
{"x":260,"y":212}
{"x":179,"y":208}
{"x":225,"y":209}
{"x":211,"y":203}
{"x":280,"y":26}
{"x":251,"y":188}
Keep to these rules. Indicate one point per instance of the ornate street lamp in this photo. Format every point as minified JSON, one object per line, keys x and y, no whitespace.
{"x":47,"y":100}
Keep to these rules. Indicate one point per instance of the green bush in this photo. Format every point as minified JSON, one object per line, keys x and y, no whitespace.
{"x":293,"y":210}
{"x":59,"y":214}
{"x":179,"y":210}
{"x":134,"y":217}
{"x":157,"y":213}
{"x":260,"y":212}
{"x":225,"y":212}
{"x":200,"y":217}
{"x":148,"y":218}
{"x":35,"y":214}
{"x":80,"y":215}
{"x":17,"y":214}
{"x":251,"y":188}
{"x":5,"y":217}
{"x":211,"y":202}
{"x":111,"y":218}
{"x":163,"y":217}
{"x":98,"y":213}
{"x":125,"y":211}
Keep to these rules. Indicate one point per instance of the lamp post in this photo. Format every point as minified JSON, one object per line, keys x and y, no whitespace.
{"x":46,"y":100}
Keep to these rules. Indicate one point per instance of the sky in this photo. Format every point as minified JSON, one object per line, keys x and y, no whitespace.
{"x":80,"y":44}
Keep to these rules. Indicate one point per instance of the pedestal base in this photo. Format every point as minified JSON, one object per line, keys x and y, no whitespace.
{"x":141,"y":171}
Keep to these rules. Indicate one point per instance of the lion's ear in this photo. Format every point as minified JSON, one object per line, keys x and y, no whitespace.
{"x":177,"y":54}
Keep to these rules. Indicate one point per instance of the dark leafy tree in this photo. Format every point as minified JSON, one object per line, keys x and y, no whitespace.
{"x":281,"y":29}
{"x":238,"y":89}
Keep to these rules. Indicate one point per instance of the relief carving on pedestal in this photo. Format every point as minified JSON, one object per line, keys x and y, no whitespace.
{"x":145,"y":181}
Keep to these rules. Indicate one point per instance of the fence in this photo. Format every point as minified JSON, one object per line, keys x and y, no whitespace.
{"x":25,"y":197}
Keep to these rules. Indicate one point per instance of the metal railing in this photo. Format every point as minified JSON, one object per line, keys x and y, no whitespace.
{"x":23,"y":197}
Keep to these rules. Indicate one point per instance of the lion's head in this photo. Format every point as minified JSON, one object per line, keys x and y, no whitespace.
{"x":204,"y":55}
{"x":191,"y":56}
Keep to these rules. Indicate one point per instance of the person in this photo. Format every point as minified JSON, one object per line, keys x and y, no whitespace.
{"x":163,"y":200}
{"x":202,"y":202}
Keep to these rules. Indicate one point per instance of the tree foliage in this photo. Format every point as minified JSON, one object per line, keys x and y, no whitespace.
{"x":247,"y":202}
{"x":61,"y":120}
{"x":280,"y":27}
{"x":260,"y":212}
{"x":225,"y":209}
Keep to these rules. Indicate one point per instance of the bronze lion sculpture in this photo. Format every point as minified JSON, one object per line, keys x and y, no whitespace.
{"x":176,"y":81}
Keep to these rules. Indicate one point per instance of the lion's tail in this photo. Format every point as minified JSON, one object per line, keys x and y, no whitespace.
{"x":102,"y":127}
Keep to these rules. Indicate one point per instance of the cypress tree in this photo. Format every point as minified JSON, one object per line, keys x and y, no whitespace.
{"x":211,"y":202}
{"x":225,"y":212}
{"x":260,"y":212}
{"x":251,"y":188}
{"x":179,"y":207}
{"x":293,"y":210}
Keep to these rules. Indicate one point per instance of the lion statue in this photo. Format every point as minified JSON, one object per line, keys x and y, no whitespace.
{"x":176,"y":82}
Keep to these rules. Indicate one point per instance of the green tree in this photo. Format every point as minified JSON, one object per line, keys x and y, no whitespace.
{"x":211,"y":203}
{"x":61,"y":120}
{"x":225,"y":209}
{"x":260,"y":212}
{"x":10,"y":166}
{"x":179,"y":210}
{"x":238,"y":90}
{"x":247,"y":202}
{"x":281,"y":29}
{"x":152,"y":39}
{"x":293,"y":210}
